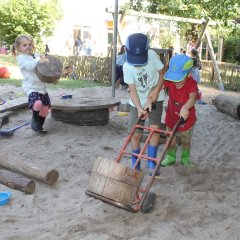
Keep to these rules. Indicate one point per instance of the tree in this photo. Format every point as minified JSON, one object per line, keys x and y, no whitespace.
{"x":217,"y":10}
{"x":221,"y":11}
{"x":34,"y":17}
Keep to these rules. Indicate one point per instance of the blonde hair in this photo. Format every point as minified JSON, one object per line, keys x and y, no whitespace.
{"x":18,"y":40}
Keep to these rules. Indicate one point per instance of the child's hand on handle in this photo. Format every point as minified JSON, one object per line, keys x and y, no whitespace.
{"x":148,"y":106}
{"x":143,"y":114}
{"x":184,"y":113}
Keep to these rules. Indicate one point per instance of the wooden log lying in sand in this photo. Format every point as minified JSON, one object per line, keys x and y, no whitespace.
{"x":48,"y":176}
{"x":228,"y":104}
{"x":4,"y":119}
{"x":16,"y":181}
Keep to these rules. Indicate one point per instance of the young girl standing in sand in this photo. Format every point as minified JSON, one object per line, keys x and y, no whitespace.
{"x":196,"y":65}
{"x":36,"y":90}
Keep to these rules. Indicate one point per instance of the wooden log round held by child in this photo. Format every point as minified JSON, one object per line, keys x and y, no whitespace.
{"x":49,"y":70}
{"x":228,"y":104}
{"x":43,"y":174}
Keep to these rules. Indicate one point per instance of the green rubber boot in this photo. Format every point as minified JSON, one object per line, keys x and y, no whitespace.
{"x":170,"y":157}
{"x":185,"y":161}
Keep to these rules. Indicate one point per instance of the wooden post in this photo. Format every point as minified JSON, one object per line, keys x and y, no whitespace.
{"x":202,"y":34}
{"x":16,"y":181}
{"x":119,"y":32}
{"x":211,"y":52}
{"x":42,"y":174}
{"x":220,"y":49}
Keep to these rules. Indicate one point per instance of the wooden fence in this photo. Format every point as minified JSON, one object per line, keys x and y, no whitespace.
{"x":230,"y":74}
{"x":99,"y":69}
{"x":89,"y":68}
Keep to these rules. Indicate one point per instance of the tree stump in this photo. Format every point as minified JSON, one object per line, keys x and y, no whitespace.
{"x":228,"y":104}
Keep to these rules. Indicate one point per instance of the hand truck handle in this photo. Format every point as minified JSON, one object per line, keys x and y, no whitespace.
{"x":142,"y":115}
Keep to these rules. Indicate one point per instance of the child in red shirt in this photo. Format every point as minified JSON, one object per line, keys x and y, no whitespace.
{"x":182,"y":91}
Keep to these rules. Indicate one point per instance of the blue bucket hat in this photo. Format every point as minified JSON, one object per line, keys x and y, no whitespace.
{"x":137,"y":46}
{"x":179,"y":66}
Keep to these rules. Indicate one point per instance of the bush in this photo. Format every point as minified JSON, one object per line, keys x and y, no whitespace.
{"x":231,"y":48}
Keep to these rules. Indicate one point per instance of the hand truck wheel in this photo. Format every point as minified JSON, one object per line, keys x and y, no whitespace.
{"x":149,"y":202}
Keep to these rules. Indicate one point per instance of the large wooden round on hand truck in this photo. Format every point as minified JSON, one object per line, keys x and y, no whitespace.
{"x":83,"y":111}
{"x":111,"y":181}
{"x":119,"y":186}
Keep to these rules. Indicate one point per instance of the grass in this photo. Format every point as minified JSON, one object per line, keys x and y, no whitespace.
{"x":8,"y":60}
{"x":63,"y":83}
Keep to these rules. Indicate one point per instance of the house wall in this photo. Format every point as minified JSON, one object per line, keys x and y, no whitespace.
{"x":88,"y":16}
{"x":89,"y":19}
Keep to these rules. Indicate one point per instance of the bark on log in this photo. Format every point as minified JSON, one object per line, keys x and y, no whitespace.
{"x":228,"y":104}
{"x":30,"y":170}
{"x":16,"y":181}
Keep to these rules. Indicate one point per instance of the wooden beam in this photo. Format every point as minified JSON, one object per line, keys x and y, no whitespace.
{"x":215,"y":65}
{"x":220,"y":49}
{"x":168,"y":18}
{"x":202,"y":34}
{"x":119,"y":31}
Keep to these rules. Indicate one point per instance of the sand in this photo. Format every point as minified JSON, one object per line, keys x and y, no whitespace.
{"x":198,"y":203}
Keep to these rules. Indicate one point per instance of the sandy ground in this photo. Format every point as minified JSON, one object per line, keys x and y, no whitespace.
{"x":198,"y":203}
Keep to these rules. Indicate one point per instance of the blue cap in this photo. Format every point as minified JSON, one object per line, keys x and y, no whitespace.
{"x":179,"y":66}
{"x":137,"y":46}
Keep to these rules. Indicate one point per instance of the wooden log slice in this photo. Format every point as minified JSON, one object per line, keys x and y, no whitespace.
{"x":49,"y":71}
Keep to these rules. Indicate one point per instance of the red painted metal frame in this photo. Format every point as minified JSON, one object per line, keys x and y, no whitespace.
{"x":143,"y":190}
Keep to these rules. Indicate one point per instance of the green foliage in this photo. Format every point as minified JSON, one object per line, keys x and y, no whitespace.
{"x":34,"y":17}
{"x":217,"y":10}
{"x":232,"y":48}
{"x":221,"y":11}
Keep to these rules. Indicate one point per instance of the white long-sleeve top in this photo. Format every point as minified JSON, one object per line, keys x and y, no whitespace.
{"x":31,"y":83}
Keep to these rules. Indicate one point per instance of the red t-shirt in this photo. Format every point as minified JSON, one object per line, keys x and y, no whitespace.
{"x":177,"y":98}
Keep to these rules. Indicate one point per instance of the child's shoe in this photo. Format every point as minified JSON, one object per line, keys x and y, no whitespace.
{"x":170,"y":157}
{"x":152,"y":152}
{"x":185,"y":161}
{"x":35,"y":124}
{"x":42,"y":120}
